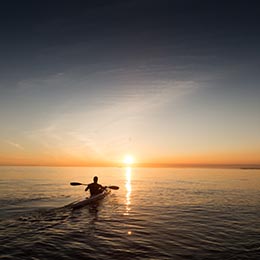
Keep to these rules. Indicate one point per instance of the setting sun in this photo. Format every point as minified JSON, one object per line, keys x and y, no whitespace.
{"x":128,"y":159}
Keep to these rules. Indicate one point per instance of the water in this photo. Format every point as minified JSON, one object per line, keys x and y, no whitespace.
{"x":156,"y":214}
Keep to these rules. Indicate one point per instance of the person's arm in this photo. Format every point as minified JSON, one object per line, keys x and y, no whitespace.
{"x":102,"y":187}
{"x":87,"y":188}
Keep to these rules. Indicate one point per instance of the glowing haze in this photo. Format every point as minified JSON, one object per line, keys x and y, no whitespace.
{"x":169,"y":82}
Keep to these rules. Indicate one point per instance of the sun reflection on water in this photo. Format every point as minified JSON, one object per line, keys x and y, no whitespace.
{"x":128,"y":187}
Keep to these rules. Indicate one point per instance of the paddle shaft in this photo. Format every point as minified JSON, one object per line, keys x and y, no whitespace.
{"x":79,"y":183}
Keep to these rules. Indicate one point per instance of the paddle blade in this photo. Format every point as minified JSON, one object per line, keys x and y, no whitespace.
{"x":75,"y":183}
{"x":113,"y":187}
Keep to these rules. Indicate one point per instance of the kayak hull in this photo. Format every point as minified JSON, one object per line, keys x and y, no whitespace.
{"x":87,"y":201}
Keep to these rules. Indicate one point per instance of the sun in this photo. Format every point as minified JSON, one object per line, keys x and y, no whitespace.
{"x":128,"y":159}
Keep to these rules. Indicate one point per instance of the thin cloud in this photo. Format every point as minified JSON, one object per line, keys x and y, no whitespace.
{"x":16,"y":145}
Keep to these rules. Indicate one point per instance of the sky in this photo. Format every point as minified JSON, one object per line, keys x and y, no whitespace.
{"x":169,"y":82}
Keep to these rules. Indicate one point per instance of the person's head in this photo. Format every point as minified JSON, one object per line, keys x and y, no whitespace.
{"x":95,"y":179}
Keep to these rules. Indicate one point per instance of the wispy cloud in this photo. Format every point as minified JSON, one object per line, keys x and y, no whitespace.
{"x":16,"y":145}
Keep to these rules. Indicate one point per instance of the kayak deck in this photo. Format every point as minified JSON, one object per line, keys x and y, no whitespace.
{"x":87,"y":201}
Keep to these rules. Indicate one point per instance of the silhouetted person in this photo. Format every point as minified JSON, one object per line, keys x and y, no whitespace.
{"x":94,"y":187}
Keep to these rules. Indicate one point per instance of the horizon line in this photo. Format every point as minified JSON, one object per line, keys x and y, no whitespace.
{"x":143,"y":165}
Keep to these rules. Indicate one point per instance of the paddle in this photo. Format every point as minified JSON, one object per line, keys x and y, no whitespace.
{"x":78,"y":183}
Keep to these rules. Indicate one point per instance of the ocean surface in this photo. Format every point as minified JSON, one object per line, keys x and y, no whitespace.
{"x":156,"y":214}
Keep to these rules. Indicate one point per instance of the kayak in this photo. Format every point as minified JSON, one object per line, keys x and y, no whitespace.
{"x":87,"y":201}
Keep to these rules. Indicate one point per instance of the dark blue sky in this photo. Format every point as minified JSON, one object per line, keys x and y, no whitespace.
{"x":152,"y":67}
{"x":126,"y":33}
